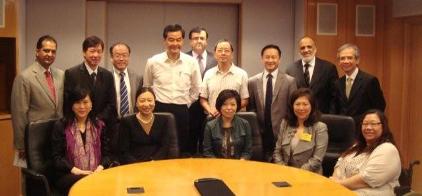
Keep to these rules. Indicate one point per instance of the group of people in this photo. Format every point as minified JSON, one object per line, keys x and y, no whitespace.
{"x":107,"y":116}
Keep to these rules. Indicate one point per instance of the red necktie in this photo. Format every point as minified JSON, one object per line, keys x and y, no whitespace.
{"x":50,"y":84}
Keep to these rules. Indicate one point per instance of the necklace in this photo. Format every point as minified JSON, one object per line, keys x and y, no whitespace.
{"x":149,"y":121}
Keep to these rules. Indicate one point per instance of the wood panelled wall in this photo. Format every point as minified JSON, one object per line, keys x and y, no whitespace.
{"x":393,"y":55}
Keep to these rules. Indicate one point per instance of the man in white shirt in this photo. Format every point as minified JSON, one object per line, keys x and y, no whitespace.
{"x":126,"y":81}
{"x":225,"y":75}
{"x":175,"y":78}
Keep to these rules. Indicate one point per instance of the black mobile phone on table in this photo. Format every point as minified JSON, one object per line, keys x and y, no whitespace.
{"x":212,"y":187}
{"x":281,"y":184}
{"x":135,"y":190}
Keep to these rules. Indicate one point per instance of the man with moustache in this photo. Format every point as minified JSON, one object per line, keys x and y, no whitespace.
{"x":126,"y":81}
{"x":198,"y":37}
{"x":176,"y":79}
{"x":317,"y":74}
{"x":269,"y":95}
{"x":89,"y":74}
{"x":37,"y":94}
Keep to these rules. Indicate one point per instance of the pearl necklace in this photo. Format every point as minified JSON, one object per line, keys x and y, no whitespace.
{"x":146,"y":122}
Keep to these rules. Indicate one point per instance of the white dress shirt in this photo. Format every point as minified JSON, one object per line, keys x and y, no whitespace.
{"x":310,"y":69}
{"x":174,"y":82}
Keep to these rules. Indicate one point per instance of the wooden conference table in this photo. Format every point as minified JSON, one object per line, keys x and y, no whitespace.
{"x":176,"y":177}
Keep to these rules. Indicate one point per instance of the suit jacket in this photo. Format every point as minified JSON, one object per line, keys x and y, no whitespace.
{"x":135,"y":82}
{"x":211,"y":62}
{"x":322,"y":81}
{"x":32,"y":101}
{"x":283,"y":88}
{"x":365,"y":94}
{"x":104,"y":97}
{"x":241,"y":134}
{"x":307,"y":154}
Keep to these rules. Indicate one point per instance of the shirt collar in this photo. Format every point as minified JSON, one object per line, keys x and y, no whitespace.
{"x":273,"y":73}
{"x":117,"y":72}
{"x":354,"y":74}
{"x":311,"y":63}
{"x":195,"y":55}
{"x":90,"y":71}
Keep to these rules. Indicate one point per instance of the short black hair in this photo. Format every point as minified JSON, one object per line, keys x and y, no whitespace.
{"x":271,"y":46}
{"x":118,"y":43}
{"x":45,"y":38}
{"x":227,"y":94}
{"x":92,"y":41}
{"x":198,"y":30}
{"x":142,"y":90}
{"x":76,"y":94}
{"x":173,"y":28}
{"x":314,"y":114}
{"x":221,"y":41}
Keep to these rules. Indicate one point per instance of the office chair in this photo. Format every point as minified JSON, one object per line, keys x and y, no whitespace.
{"x":405,"y":180}
{"x":171,"y":122}
{"x":257,"y":150}
{"x":39,"y":159}
{"x":341,"y":132}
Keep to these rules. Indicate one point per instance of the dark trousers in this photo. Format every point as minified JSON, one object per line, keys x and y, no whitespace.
{"x":268,"y":143}
{"x":196,"y":128}
{"x":181,"y":114}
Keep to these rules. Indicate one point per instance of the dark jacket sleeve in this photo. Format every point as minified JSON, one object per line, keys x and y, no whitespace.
{"x":58,"y":143}
{"x":105,"y":148}
{"x":207,"y":143}
{"x":162,"y":152}
{"x":247,"y":149}
{"x":108,"y":113}
{"x":375,"y":95}
{"x":125,"y":155}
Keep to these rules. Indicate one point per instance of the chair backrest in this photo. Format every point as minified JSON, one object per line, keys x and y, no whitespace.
{"x":257,"y":151}
{"x":171,"y":123}
{"x":341,"y":132}
{"x":38,"y":146}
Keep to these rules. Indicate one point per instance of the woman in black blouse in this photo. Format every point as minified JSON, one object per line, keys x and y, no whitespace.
{"x":143,"y":136}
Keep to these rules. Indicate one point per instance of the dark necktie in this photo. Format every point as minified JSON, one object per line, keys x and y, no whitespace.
{"x":50,"y":84}
{"x":124,"y":103}
{"x":201,"y":65}
{"x":93,"y":78}
{"x":306,"y":74}
{"x":268,"y":101}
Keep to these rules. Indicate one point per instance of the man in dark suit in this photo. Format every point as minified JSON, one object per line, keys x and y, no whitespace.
{"x":276,"y":87}
{"x":90,"y":75}
{"x":198,"y":37}
{"x":126,"y":81}
{"x":357,"y":91}
{"x":317,"y":74}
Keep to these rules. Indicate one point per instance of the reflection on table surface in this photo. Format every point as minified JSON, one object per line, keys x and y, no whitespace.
{"x":176,"y":177}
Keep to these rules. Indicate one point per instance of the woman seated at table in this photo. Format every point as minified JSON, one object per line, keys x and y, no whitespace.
{"x":228,"y":136}
{"x":372,"y":165}
{"x":302,"y":139}
{"x":79,"y":142}
{"x":143,"y":136}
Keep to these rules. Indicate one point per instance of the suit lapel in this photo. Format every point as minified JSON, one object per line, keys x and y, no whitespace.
{"x":303,"y":146}
{"x":40,"y":76}
{"x":260,"y":91}
{"x":316,"y":75}
{"x":357,"y":84}
{"x":133,"y":85}
{"x":299,"y":73}
{"x":278,"y":82}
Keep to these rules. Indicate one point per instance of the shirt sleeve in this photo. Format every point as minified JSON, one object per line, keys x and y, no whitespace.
{"x":383,"y":166}
{"x":244,"y":93}
{"x":148,"y":74}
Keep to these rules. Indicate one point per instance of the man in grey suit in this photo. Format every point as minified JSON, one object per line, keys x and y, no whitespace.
{"x":317,"y":74}
{"x":198,"y":37}
{"x":37,"y":94}
{"x":269,"y":93}
{"x":126,"y":81}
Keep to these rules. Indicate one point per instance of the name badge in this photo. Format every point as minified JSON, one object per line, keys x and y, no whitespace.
{"x":306,"y":137}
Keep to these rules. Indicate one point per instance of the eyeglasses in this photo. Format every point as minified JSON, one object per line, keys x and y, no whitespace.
{"x":372,"y":124}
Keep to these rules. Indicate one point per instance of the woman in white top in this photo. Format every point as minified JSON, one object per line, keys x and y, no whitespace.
{"x":372,"y":165}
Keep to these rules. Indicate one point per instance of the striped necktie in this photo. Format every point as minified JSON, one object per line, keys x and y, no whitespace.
{"x":124,"y":102}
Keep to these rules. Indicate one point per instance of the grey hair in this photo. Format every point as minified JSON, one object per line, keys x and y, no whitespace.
{"x":349,"y":45}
